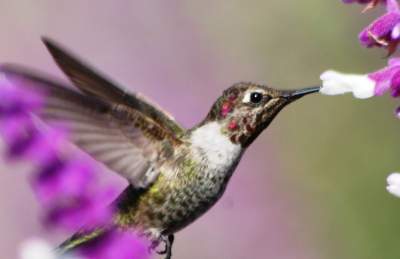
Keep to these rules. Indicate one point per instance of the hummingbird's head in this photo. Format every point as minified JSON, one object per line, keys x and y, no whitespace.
{"x":246,"y":109}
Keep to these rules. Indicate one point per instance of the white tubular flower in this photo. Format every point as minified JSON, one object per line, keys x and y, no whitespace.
{"x":335,"y":83}
{"x":393,"y":182}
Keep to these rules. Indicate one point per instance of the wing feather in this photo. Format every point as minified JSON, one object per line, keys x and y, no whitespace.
{"x":122,"y":138}
{"x":91,"y":82}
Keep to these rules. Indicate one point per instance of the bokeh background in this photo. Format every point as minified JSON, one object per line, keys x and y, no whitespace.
{"x":312,"y":186}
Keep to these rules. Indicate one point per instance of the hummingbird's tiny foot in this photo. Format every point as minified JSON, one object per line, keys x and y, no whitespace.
{"x":155,"y":238}
{"x":168,"y":245}
{"x":168,"y":241}
{"x":163,"y":251}
{"x":153,"y":246}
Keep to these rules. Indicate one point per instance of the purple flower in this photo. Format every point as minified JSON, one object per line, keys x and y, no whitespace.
{"x":18,"y":134}
{"x":66,"y":186}
{"x":16,"y":101}
{"x":87,"y":210}
{"x":375,"y":2}
{"x":384,"y":31}
{"x":45,"y":146}
{"x":62,"y":178}
{"x":388,"y":78}
{"x":370,"y":3}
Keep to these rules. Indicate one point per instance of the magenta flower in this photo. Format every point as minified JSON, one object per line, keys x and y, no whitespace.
{"x":15,"y":124}
{"x":66,"y":186}
{"x":60,"y":179}
{"x":18,"y":133}
{"x":374,"y":2}
{"x":370,"y":3}
{"x":384,"y":31}
{"x":388,"y":78}
{"x":15,"y":101}
{"x":87,"y":210}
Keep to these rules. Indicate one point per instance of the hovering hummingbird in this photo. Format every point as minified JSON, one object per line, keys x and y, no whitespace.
{"x":175,"y":174}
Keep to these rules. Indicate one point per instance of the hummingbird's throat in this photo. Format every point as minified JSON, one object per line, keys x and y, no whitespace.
{"x":236,"y":128}
{"x":243,"y":126}
{"x":211,"y":144}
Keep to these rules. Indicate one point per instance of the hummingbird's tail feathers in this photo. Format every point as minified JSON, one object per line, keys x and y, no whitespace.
{"x":124,"y":204}
{"x":79,"y":239}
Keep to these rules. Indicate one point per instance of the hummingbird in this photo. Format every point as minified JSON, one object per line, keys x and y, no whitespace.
{"x":175,"y":174}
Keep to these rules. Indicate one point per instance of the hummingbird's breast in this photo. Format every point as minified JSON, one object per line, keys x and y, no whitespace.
{"x":189,"y":184}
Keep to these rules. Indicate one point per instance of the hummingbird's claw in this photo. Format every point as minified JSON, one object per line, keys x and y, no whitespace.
{"x":163,"y":251}
{"x":168,"y":246}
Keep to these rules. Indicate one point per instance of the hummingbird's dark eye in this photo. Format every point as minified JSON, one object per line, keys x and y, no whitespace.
{"x":256,"y":97}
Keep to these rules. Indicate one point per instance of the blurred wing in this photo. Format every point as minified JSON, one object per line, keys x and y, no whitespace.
{"x":120,"y":137}
{"x":93,"y":83}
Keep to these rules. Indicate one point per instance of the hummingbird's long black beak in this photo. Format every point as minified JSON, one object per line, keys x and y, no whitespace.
{"x":295,"y":94}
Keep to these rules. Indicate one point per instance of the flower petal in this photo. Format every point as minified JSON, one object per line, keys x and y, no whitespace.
{"x":384,"y":77}
{"x":62,"y":179}
{"x":394,"y":62}
{"x":393,"y":182}
{"x":335,"y":83}
{"x":392,"y":6}
{"x":396,"y":32}
{"x":379,"y":32}
{"x":89,"y":209}
{"x":395,"y":85}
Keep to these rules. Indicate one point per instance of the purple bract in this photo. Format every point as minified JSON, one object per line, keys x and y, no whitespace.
{"x":388,"y":78}
{"x":384,"y":31}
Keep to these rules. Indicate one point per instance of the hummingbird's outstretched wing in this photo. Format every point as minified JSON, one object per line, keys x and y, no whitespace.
{"x":120,"y":136}
{"x":91,"y":82}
